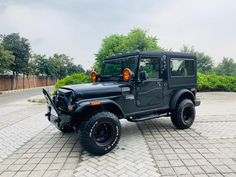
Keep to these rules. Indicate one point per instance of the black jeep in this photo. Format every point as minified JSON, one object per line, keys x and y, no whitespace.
{"x":135,"y":86}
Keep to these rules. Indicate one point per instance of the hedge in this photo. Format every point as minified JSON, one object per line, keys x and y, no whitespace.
{"x":79,"y":78}
{"x":213,"y":82}
{"x":205,"y":82}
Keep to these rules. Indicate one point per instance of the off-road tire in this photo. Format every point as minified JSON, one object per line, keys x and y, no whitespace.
{"x":184,"y":114}
{"x":105,"y":125}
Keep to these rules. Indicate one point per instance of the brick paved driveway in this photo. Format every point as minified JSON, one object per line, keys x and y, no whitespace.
{"x":150,"y":148}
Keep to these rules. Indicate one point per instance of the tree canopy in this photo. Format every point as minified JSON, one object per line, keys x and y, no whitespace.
{"x":59,"y":66}
{"x":227,"y":67}
{"x":6,"y":59}
{"x":204,"y":62}
{"x":137,"y":39}
{"x":15,"y":55}
{"x":20,"y":48}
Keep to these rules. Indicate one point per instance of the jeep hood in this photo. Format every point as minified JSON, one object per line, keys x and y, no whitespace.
{"x":93,"y":90}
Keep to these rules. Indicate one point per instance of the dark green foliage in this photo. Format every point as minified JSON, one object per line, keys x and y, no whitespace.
{"x":58,"y":66}
{"x":137,"y":39}
{"x":15,"y":56}
{"x":226,"y":67}
{"x":72,"y":68}
{"x":214,"y":82}
{"x":6,"y":59}
{"x":20,"y":48}
{"x":73,"y":79}
{"x":204,"y":62}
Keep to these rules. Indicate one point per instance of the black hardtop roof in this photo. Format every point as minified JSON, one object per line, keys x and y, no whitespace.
{"x":153,"y":54}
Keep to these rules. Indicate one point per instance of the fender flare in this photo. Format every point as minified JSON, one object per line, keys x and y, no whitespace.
{"x":85,"y":104}
{"x":178,"y":94}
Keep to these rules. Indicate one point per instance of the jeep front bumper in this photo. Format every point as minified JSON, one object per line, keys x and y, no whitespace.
{"x":54,"y":115}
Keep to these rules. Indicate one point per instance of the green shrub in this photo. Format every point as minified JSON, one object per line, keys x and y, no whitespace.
{"x":210,"y":82}
{"x":214,"y":82}
{"x":79,"y":78}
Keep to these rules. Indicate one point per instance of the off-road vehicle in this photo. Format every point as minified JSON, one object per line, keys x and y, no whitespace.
{"x":134,"y":86}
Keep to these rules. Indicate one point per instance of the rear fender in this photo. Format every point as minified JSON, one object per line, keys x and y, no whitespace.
{"x":178,"y":95}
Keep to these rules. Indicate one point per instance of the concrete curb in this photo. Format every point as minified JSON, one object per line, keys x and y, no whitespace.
{"x":22,"y":90}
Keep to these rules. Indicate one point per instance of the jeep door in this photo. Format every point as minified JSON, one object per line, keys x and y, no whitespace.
{"x":149,"y":89}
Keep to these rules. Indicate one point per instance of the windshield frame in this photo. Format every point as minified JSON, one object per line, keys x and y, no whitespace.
{"x":107,"y":78}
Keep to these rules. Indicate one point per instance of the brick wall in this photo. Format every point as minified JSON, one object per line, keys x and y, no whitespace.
{"x":7,"y":82}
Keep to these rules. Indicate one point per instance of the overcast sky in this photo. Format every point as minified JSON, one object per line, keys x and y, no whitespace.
{"x":77,"y":27}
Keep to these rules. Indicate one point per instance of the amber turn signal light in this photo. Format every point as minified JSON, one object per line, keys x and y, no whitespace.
{"x":94,"y":76}
{"x":126,"y":74}
{"x":94,"y":103}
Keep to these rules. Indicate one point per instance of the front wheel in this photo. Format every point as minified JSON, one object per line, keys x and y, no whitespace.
{"x":100,"y":133}
{"x":184,"y":114}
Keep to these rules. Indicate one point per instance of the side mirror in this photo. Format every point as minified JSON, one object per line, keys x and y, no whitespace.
{"x":143,"y":75}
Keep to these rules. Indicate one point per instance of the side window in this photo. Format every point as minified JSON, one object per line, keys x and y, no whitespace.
{"x":151,"y":66}
{"x":181,"y":67}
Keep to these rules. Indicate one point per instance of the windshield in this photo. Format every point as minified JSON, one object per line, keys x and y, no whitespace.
{"x":112,"y":69}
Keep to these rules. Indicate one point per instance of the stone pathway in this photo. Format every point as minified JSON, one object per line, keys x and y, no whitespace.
{"x":50,"y":153}
{"x":130,"y":158}
{"x":30,"y":146}
{"x":16,"y":135}
{"x":187,"y":152}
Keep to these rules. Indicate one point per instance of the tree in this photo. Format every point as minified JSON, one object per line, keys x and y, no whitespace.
{"x":204,"y":62}
{"x":41,"y":63}
{"x":20,"y":48}
{"x":62,"y":65}
{"x":137,"y":39}
{"x":72,"y":69}
{"x":111,"y":45}
{"x":6,"y":59}
{"x":226,"y":67}
{"x":57,"y":66}
{"x":62,"y":62}
{"x":31,"y":68}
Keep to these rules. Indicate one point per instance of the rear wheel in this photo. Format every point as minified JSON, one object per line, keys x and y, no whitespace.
{"x":100,"y":133}
{"x":184,"y":114}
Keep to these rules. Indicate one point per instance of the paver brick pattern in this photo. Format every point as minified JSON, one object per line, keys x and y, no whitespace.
{"x":130,"y":158}
{"x":16,"y":112}
{"x":187,"y":152}
{"x":217,"y":130}
{"x":50,"y":153}
{"x":154,"y":148}
{"x":16,"y":135}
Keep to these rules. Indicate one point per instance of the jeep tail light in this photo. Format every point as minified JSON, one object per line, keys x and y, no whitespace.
{"x":126,"y":74}
{"x":94,"y":76}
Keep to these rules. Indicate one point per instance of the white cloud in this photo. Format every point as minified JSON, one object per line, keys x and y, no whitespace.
{"x":76,"y":28}
{"x":207,"y":25}
{"x":48,"y":30}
